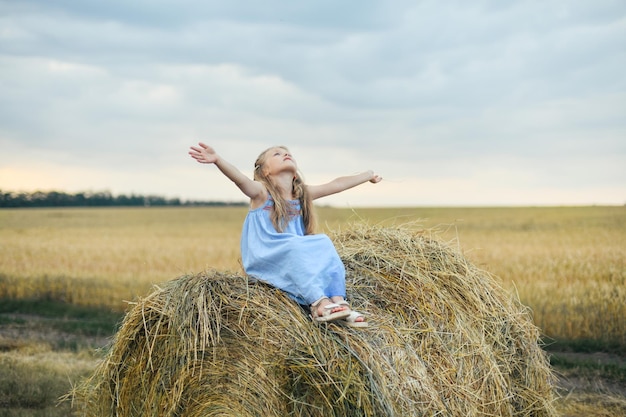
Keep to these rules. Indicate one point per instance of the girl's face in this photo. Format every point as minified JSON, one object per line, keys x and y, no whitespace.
{"x":277,"y":160}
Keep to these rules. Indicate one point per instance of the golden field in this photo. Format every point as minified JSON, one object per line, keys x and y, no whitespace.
{"x":57,"y":266}
{"x":568,"y":264}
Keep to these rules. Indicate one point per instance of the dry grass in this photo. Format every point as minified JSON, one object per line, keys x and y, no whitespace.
{"x":594,"y":405}
{"x":445,"y":339}
{"x":101,"y":257}
{"x":568,"y":264}
{"x":33,"y":378}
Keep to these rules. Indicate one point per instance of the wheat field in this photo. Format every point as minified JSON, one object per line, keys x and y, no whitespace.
{"x":568,"y":264}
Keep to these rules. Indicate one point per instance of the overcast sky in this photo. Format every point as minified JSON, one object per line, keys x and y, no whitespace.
{"x":452,"y":102}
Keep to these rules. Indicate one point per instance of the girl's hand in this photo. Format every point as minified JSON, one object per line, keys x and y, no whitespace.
{"x":375,"y":178}
{"x":203,"y":154}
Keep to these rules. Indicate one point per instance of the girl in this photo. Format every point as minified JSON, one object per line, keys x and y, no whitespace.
{"x":277,"y":243}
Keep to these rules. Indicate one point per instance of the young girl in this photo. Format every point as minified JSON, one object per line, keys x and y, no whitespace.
{"x":278,"y":244}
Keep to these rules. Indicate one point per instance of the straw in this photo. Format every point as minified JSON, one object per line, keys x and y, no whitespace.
{"x":444,"y":339}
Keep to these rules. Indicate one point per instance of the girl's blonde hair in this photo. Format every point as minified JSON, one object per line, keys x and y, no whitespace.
{"x":283,"y":211}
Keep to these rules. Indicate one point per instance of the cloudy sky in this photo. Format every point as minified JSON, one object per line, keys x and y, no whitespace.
{"x":452,"y":102}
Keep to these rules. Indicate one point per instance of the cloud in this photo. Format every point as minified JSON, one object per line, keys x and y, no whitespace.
{"x":525,"y":93}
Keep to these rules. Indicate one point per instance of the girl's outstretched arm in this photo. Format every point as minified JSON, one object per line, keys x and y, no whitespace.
{"x":342,"y":183}
{"x":207,"y":155}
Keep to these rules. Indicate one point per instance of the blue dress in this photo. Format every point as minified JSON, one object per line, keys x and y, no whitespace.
{"x":306,"y":267}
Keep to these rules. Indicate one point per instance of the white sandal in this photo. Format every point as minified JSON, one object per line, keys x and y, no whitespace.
{"x":351,"y":319}
{"x":354,"y":315}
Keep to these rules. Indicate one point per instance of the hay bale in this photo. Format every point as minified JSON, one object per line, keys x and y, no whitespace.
{"x":444,"y":340}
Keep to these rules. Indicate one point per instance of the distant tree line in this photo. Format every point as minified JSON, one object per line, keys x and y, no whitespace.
{"x":94,"y":199}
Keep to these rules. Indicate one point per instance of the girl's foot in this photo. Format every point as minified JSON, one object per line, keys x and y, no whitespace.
{"x":323,"y":310}
{"x":354,"y":319}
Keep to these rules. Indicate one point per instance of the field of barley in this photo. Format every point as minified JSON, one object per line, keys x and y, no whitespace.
{"x":567,"y":264}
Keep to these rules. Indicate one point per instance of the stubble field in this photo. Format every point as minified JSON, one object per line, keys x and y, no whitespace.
{"x":66,"y":276}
